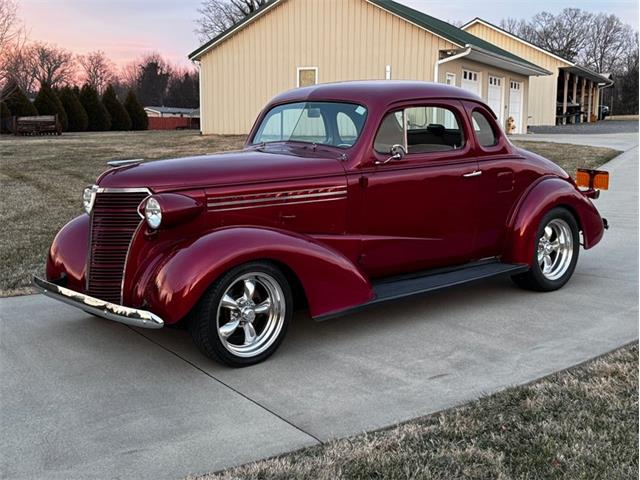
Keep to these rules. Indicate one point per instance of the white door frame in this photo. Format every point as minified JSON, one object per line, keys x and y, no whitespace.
{"x":521,"y":95}
{"x":500,"y":112}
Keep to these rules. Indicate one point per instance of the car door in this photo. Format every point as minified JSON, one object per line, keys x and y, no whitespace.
{"x":419,"y":211}
{"x":501,"y":183}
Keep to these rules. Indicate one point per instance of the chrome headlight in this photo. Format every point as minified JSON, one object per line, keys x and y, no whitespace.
{"x":89,"y":197}
{"x":153,"y":213}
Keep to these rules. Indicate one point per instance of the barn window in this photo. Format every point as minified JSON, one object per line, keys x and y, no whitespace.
{"x":450,"y":79}
{"x":307,"y":76}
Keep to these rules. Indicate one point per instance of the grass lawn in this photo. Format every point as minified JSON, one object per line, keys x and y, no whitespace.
{"x":42,"y":178}
{"x":578,"y":424}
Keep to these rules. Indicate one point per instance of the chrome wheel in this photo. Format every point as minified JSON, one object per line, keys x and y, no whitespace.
{"x":555,"y":249}
{"x":251,"y":314}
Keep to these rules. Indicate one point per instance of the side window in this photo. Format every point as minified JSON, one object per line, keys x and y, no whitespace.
{"x":483,"y":129}
{"x":347,"y":130}
{"x":420,"y":130}
{"x":432,"y":129}
{"x":391,"y":133}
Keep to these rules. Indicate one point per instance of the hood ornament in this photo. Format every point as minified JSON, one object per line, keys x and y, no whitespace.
{"x":125,"y":163}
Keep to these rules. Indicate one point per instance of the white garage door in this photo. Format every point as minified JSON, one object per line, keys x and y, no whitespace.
{"x":515,"y":105}
{"x":470,"y":81}
{"x":495,"y":97}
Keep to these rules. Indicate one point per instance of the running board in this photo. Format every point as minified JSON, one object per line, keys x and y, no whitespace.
{"x":423,"y":282}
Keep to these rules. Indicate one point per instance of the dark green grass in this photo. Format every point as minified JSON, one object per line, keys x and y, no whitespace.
{"x":578,"y":424}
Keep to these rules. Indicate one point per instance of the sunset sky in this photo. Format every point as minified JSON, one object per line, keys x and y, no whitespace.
{"x":127,"y":29}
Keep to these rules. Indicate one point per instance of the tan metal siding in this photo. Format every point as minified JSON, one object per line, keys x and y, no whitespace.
{"x":345,"y":39}
{"x":484,"y":71}
{"x":543,"y":91}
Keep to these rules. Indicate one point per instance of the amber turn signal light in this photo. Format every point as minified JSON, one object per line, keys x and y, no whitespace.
{"x":596,"y":179}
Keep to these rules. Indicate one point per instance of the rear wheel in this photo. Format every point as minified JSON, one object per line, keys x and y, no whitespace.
{"x":555,"y":254}
{"x":243,"y":317}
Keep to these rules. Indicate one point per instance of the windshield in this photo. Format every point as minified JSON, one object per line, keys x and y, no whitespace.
{"x":323,"y":123}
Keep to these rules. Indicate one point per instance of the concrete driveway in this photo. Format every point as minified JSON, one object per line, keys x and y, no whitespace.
{"x":618,"y":141}
{"x":84,"y":398}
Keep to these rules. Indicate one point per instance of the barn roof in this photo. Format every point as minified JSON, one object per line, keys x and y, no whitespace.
{"x":438,"y":27}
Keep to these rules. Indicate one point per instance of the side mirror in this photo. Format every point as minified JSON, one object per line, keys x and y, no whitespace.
{"x":397,"y":153}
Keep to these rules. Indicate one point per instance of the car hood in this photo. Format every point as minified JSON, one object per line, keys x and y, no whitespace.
{"x":247,"y":166}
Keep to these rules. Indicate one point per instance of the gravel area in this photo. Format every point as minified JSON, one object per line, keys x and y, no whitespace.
{"x":607,"y":126}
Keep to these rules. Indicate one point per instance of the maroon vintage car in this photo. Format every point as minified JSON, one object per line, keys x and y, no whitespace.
{"x":344,"y":196}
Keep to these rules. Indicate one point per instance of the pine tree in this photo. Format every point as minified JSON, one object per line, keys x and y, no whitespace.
{"x":76,"y":114}
{"x":120,"y":119}
{"x":139,"y":120}
{"x":5,"y":118}
{"x":48,"y":103}
{"x":99,"y":120}
{"x":18,"y":103}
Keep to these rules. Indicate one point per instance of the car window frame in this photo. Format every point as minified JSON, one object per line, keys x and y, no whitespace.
{"x":454,"y":105}
{"x":501,"y":138}
{"x":490,"y":121}
{"x":332,"y":131}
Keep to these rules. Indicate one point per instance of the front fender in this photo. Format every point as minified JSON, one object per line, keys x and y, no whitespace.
{"x":68,"y":254}
{"x":549,"y":193}
{"x":330,"y":281}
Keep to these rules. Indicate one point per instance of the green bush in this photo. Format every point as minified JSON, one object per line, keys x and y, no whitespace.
{"x":139,"y":120}
{"x":18,"y":103}
{"x":5,"y":118}
{"x":76,"y":114}
{"x":99,"y":119}
{"x":120,"y":119}
{"x":48,"y":103}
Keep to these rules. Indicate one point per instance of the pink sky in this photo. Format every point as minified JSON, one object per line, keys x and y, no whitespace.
{"x":127,"y":29}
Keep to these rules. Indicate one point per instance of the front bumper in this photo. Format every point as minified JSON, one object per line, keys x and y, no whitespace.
{"x":110,"y":311}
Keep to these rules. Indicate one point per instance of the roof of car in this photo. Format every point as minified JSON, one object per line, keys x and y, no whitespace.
{"x":374,"y":92}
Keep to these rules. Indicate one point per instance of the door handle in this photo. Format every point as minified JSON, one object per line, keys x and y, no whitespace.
{"x":477,"y":173}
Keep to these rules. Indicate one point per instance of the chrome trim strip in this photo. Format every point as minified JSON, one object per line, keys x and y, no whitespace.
{"x":278,"y":204}
{"x":109,"y":311}
{"x":276,"y":198}
{"x":337,"y":188}
{"x":123,"y":190}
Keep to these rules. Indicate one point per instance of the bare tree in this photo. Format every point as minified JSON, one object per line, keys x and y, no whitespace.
{"x":11,"y":27}
{"x":17,"y":65}
{"x":98,"y":69}
{"x":563,"y":34}
{"x":608,"y":41}
{"x":12,"y":38}
{"x":520,"y":28}
{"x":129,"y":74}
{"x":54,"y":66}
{"x":216,"y":16}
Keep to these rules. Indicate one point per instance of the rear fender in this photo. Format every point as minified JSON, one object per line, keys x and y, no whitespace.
{"x":330,"y":281}
{"x":549,"y":193}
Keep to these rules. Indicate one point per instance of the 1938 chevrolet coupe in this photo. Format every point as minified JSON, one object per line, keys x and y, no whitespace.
{"x":345,"y":195}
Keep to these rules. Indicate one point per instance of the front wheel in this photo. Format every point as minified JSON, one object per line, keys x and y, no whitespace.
{"x":555,"y":254}
{"x":243,"y":317}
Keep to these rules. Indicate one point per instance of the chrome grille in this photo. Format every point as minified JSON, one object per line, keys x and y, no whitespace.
{"x":114,"y":220}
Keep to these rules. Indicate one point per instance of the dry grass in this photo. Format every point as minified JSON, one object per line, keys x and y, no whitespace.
{"x":577,"y":424}
{"x":41,"y":180}
{"x":570,"y":157}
